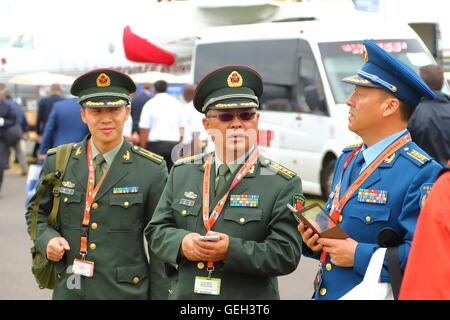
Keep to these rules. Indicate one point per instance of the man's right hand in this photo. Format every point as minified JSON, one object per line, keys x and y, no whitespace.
{"x":56,"y":248}
{"x":309,"y":237}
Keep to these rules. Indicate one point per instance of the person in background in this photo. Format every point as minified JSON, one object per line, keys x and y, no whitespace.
{"x":64,"y":125}
{"x":195,"y":135}
{"x":137,"y":103}
{"x":7,"y":119}
{"x":430,"y":122}
{"x":161,"y":123}
{"x":44,"y":108}
{"x":17,"y":132}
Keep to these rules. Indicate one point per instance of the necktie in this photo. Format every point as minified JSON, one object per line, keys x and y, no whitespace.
{"x":223,"y":171}
{"x":99,"y":161}
{"x":356,"y":168}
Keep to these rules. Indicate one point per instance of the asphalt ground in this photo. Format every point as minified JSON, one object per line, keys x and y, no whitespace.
{"x":17,"y":281}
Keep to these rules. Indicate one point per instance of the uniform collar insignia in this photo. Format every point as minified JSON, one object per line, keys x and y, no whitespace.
{"x":126,"y":156}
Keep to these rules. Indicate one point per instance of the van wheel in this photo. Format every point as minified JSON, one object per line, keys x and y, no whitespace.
{"x":326,"y":178}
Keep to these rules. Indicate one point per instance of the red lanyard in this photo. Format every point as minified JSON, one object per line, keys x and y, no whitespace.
{"x":338,"y":205}
{"x":209,"y":220}
{"x":90,"y":196}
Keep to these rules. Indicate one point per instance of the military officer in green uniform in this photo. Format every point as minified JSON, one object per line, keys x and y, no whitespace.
{"x":109,"y":192}
{"x":234,"y":196}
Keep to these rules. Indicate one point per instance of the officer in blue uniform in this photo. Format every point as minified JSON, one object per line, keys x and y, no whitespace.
{"x":380,"y":183}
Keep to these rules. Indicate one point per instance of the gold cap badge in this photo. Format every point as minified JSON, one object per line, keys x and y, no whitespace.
{"x":365,"y":54}
{"x":234,"y":80}
{"x":103,"y":80}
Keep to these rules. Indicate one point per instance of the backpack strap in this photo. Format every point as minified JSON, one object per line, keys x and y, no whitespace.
{"x":54,"y":178}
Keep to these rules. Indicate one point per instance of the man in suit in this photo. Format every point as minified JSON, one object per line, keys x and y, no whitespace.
{"x":137,"y":103}
{"x":108,"y":195}
{"x":380,"y":183}
{"x":234,"y":195}
{"x":44,"y":108}
{"x":64,"y":126}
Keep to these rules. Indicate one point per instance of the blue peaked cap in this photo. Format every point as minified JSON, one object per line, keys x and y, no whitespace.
{"x":382,"y":70}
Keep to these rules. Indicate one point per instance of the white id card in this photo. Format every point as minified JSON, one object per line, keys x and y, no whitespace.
{"x":83,"y":268}
{"x":204,"y":285}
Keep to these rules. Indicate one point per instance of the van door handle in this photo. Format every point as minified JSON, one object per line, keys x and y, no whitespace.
{"x":298,"y":117}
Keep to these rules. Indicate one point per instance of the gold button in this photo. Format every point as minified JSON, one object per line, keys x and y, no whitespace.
{"x":328,"y":267}
{"x":183,"y":212}
{"x":341,"y":218}
{"x":323,"y":291}
{"x":66,"y":199}
{"x":368,"y":219}
{"x":200,"y":265}
{"x":406,"y":149}
{"x":136,"y":280}
{"x":94,"y":226}
{"x":242,"y":220}
{"x":95,"y":205}
{"x":92,"y":246}
{"x":126,"y":203}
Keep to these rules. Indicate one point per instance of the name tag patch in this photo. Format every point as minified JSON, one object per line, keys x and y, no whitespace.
{"x":187,"y":202}
{"x":372,"y":196}
{"x":244,"y":200}
{"x":66,"y":190}
{"x":126,"y":190}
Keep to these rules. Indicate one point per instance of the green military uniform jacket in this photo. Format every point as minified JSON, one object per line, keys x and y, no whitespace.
{"x":117,"y":220}
{"x":264,"y":242}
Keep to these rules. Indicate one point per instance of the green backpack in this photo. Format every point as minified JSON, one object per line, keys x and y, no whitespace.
{"x":44,"y":270}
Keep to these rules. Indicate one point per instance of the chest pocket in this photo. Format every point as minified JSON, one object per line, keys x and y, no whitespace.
{"x":369,"y":213}
{"x":125,"y":211}
{"x":186,"y":216}
{"x":243,"y":223}
{"x":69,"y":210}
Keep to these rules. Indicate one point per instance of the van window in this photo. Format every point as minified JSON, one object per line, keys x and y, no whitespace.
{"x":310,"y":96}
{"x":278,"y":98}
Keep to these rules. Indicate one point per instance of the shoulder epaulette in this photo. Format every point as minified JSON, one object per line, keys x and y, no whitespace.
{"x":192,"y":159}
{"x":51,"y":151}
{"x":416,"y":156}
{"x":147,"y":154}
{"x":352,"y":146}
{"x":278,"y":168}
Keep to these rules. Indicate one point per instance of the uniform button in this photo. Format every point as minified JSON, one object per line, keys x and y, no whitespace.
{"x":200,"y":265}
{"x":136,"y":280}
{"x":328,"y":266}
{"x":323,"y":291}
{"x":406,"y":149}
{"x":341,"y":218}
{"x":242,"y":220}
{"x":183,"y":212}
{"x":126,"y":203}
{"x":95,"y":205}
{"x":94,"y":226}
{"x":368,"y":219}
{"x":66,"y":199}
{"x":92,"y":246}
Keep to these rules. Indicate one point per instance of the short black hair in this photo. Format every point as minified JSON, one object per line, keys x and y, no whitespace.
{"x":433,"y":76}
{"x":160,"y":86}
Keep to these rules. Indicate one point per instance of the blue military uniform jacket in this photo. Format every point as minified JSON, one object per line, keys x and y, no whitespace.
{"x":402,"y":181}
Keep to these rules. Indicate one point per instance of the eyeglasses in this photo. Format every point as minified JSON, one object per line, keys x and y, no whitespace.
{"x":228,"y":116}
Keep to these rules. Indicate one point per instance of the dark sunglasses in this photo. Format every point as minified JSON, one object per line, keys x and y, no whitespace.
{"x":228,"y":116}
